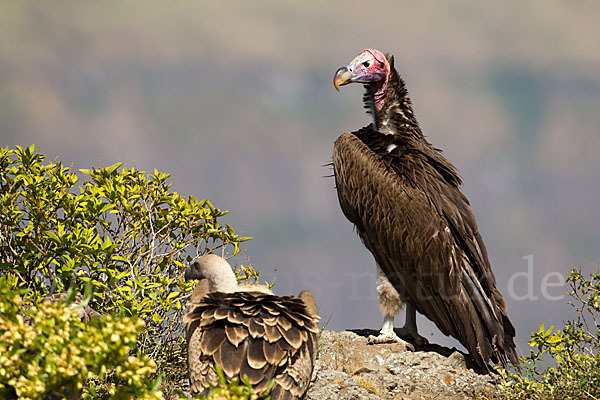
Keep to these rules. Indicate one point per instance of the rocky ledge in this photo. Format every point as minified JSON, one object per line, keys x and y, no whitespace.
{"x":349,"y":368}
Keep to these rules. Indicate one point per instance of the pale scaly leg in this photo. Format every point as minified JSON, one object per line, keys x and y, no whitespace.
{"x":390,"y":303}
{"x":409,"y":331}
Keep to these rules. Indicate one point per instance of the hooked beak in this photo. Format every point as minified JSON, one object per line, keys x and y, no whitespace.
{"x":191,"y":272}
{"x":188,"y":274}
{"x":342,"y":77}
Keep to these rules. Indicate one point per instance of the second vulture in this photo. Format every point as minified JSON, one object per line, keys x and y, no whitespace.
{"x":248,"y":331}
{"x":405,"y":201}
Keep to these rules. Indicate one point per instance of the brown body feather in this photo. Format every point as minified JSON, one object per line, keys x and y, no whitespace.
{"x":255,"y":334}
{"x":404,"y":199}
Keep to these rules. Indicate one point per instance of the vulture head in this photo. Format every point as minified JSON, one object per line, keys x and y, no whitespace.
{"x":215,"y":270}
{"x":371,"y":68}
{"x":215,"y":275}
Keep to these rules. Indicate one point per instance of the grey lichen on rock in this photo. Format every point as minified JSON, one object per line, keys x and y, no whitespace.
{"x":349,"y":368}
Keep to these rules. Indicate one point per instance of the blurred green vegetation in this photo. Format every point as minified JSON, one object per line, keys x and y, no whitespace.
{"x":46,"y":351}
{"x":563,"y":363}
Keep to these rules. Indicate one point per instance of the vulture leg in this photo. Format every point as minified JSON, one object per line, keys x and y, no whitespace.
{"x":409,"y":331}
{"x":390,"y":303}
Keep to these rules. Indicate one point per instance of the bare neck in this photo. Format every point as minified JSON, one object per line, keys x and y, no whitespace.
{"x":391,"y":108}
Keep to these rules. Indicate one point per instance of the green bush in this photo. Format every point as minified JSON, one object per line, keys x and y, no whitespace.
{"x":573,"y":352}
{"x":47,"y":350}
{"x":119,"y":230}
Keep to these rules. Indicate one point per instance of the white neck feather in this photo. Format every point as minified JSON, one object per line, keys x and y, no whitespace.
{"x":220,"y":276}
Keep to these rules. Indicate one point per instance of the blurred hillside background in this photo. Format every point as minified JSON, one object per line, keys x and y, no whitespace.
{"x":235,"y":100}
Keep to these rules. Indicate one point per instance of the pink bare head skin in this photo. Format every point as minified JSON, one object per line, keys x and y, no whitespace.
{"x":369,"y":67}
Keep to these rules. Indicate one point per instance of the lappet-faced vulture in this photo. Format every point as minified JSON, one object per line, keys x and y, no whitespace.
{"x":405,"y":201}
{"x":247,"y":330}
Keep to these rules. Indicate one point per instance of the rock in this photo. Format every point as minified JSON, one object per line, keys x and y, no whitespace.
{"x":349,"y":368}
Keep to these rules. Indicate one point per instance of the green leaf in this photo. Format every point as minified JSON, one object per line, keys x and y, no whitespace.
{"x":52,"y":236}
{"x":112,"y":168}
{"x":106,"y":208}
{"x":172,"y":295}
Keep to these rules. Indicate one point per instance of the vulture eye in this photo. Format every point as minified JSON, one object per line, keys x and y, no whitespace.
{"x":366,"y":64}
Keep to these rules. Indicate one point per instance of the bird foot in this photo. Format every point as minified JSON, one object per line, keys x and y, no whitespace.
{"x":387,"y":339}
{"x":411,"y":336}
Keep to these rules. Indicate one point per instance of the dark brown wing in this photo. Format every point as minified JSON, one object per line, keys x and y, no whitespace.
{"x":262,"y":336}
{"x":409,"y":212}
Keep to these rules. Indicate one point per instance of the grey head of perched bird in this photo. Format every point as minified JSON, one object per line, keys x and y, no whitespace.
{"x":247,"y":330}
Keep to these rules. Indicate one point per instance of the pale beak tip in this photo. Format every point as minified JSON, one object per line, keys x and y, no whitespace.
{"x":342,"y":77}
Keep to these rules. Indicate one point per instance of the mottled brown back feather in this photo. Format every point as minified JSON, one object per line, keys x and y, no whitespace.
{"x":259,"y":335}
